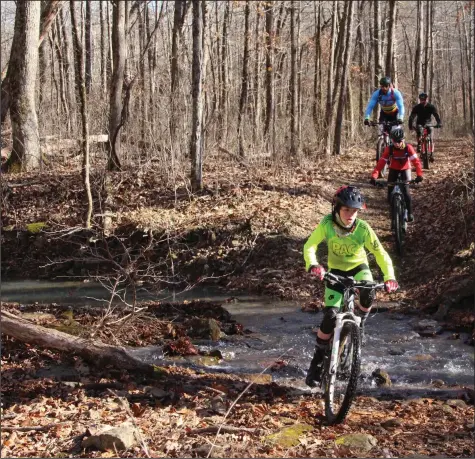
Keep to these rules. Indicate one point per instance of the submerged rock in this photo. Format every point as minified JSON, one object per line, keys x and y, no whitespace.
{"x":382,"y":378}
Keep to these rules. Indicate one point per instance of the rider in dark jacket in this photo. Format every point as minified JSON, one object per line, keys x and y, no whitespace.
{"x":424,"y":112}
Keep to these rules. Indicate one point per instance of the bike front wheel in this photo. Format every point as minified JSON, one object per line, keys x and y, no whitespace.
{"x":398,"y":223}
{"x":340,"y":385}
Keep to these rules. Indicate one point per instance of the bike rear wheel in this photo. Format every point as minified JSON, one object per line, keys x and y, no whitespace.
{"x":398,"y":224}
{"x":340,"y":387}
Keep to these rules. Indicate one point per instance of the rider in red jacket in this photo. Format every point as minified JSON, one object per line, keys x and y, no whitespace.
{"x":400,"y":156}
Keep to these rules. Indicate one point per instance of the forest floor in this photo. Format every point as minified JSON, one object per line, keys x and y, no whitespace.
{"x":244,"y":232}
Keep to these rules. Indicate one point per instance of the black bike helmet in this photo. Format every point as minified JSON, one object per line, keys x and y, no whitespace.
{"x":423,"y":95}
{"x":397,"y":134}
{"x":385,"y":81}
{"x":348,"y":196}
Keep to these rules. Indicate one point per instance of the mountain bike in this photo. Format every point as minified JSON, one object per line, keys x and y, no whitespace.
{"x":398,"y":212}
{"x":427,"y":146}
{"x":383,"y":140}
{"x":342,"y":361}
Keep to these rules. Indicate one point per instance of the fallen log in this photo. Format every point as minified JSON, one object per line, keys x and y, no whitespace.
{"x":93,"y":351}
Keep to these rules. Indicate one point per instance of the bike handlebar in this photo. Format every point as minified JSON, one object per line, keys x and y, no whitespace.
{"x":436,"y":126}
{"x":385,"y":123}
{"x":382,"y":183}
{"x":351,"y":282}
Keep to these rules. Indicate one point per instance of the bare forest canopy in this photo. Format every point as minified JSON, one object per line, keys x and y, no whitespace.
{"x":168,"y":81}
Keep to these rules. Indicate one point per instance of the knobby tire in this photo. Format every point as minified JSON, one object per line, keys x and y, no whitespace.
{"x":398,"y":217}
{"x":336,"y":409}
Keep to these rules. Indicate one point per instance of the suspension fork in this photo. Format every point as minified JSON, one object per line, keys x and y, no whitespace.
{"x":340,"y":321}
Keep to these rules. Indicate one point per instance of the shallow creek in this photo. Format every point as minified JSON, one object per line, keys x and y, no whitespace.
{"x":280,"y":331}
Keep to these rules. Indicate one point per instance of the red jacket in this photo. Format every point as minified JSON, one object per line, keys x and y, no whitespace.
{"x":399,"y":160}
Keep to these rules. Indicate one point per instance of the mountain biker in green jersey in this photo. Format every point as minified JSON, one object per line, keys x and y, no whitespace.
{"x":347,"y":238}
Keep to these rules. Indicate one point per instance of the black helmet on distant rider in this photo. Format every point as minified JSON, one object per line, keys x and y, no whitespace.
{"x":397,"y":134}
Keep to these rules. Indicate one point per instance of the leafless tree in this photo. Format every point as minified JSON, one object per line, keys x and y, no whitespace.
{"x":244,"y":81}
{"x":22,"y":82}
{"x":81,"y":92}
{"x":118,"y":73}
{"x":198,"y":69}
{"x":344,"y":78}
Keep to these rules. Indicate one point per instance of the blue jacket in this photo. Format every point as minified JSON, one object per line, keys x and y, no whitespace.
{"x":391,"y":103}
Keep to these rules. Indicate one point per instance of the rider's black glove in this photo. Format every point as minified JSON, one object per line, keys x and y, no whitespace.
{"x":399,"y":120}
{"x":366,"y":122}
{"x":418,"y":179}
{"x":373,"y":181}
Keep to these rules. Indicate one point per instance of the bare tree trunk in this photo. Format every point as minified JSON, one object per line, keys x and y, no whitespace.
{"x":244,"y":80}
{"x":68,"y":70}
{"x":317,"y":77}
{"x":22,"y":74}
{"x":144,"y":121}
{"x":269,"y":121}
{"x":344,"y":78}
{"x":54,"y":82}
{"x":328,"y":112}
{"x":62,"y":77}
{"x":116,"y":105}
{"x":223,"y":113}
{"x":94,"y":352}
{"x":198,"y":69}
{"x":418,"y":52}
{"x":42,"y":72}
{"x":51,"y":9}
{"x":463,"y":63}
{"x":257,"y":79}
{"x":361,"y":56}
{"x":428,"y":33}
{"x":181,"y":9}
{"x":469,"y":61}
{"x":293,"y":81}
{"x":81,"y":94}
{"x":88,"y":46}
{"x":340,"y":49}
{"x":394,"y":61}
{"x":431,"y":44}
{"x":378,"y":68}
{"x":391,"y":37}
{"x":103,"y":48}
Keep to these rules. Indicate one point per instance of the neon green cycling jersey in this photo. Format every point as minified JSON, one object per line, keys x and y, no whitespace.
{"x":347,"y":252}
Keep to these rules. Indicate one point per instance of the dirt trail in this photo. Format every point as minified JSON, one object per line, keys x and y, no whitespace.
{"x":257,"y":219}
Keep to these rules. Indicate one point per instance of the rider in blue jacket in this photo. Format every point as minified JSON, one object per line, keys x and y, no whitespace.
{"x":390,"y":101}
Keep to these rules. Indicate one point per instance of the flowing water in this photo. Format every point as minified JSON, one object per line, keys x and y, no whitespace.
{"x":280,"y":331}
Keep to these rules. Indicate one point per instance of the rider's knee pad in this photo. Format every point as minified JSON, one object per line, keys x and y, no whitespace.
{"x":367,"y":297}
{"x":329,"y":319}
